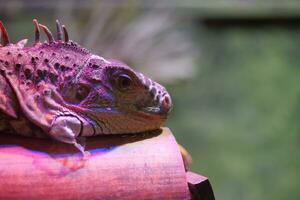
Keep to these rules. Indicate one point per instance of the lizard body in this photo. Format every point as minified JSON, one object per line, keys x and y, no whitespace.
{"x":60,"y":90}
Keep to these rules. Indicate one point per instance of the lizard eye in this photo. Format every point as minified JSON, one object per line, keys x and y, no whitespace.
{"x":123,"y":82}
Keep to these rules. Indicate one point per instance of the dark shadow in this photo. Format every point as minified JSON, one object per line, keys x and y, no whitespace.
{"x":95,"y":144}
{"x":228,"y":22}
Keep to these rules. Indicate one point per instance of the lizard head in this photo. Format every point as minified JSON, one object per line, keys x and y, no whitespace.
{"x":117,"y":98}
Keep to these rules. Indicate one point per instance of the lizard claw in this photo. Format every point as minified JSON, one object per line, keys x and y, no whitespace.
{"x":85,"y":154}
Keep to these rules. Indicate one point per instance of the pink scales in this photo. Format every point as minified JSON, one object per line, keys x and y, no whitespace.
{"x":60,"y":90}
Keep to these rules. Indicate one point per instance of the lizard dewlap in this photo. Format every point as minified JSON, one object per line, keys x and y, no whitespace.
{"x":61,"y":90}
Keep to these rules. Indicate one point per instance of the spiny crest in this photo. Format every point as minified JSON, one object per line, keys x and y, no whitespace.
{"x":61,"y":32}
{"x":4,"y":35}
{"x":51,"y":39}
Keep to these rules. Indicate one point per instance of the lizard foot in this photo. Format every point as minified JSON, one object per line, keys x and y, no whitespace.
{"x":65,"y":129}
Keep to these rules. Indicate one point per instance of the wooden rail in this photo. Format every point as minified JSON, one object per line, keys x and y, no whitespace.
{"x":132,"y":167}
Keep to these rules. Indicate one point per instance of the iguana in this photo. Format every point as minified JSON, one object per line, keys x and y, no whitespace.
{"x":60,"y":90}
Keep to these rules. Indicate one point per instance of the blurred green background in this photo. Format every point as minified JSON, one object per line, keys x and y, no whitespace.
{"x":232,"y":68}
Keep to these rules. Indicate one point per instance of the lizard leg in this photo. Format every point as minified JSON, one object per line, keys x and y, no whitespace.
{"x":66,"y":128}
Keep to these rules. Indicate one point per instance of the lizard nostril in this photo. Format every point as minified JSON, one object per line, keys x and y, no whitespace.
{"x":167,"y":100}
{"x":166,"y":103}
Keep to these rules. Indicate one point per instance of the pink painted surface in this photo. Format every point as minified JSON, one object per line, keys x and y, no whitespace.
{"x":141,"y":167}
{"x":194,"y":178}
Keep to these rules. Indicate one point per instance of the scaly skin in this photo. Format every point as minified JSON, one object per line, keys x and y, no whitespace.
{"x":61,"y":90}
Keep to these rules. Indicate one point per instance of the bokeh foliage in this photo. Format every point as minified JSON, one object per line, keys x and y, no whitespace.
{"x":239,"y":117}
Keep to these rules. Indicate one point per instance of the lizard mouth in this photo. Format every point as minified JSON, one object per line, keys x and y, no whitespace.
{"x":152,"y":109}
{"x":157,"y":111}
{"x":163,"y":107}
